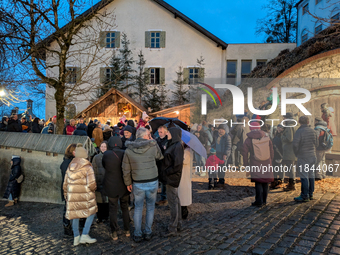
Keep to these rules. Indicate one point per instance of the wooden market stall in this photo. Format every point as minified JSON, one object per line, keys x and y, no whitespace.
{"x":181,"y":112}
{"x":112,"y":106}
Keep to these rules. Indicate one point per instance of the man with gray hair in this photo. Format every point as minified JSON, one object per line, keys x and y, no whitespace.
{"x":141,"y":177}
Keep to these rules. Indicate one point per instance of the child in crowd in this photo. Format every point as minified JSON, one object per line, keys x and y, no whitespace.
{"x":212,"y":164}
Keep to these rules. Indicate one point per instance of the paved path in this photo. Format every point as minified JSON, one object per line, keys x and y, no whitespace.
{"x":281,"y":227}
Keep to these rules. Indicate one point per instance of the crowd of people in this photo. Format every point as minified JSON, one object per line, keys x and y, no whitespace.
{"x":131,"y":163}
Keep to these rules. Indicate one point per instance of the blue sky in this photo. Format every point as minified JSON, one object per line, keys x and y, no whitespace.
{"x":232,"y":21}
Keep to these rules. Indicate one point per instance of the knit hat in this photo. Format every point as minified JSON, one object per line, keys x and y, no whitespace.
{"x":212,"y":151}
{"x":81,"y":152}
{"x":254,"y":125}
{"x":144,"y":115}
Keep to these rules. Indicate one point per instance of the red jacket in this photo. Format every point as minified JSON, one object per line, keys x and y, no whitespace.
{"x":214,"y":161}
{"x":70,"y":129}
{"x":141,"y":123}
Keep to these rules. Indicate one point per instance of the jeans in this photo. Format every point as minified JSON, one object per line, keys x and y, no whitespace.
{"x":86,"y":229}
{"x":140,"y":191}
{"x":261,"y":193}
{"x":320,"y":161}
{"x":175,"y":209}
{"x":307,"y":176}
{"x":163,"y":193}
{"x":10,"y":198}
{"x":124,"y":205}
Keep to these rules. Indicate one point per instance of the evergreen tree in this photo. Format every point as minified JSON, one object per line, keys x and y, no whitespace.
{"x":181,"y":92}
{"x":126,"y":64}
{"x":141,"y":79}
{"x":156,"y":97}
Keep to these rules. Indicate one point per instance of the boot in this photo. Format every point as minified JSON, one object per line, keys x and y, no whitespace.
{"x":87,"y":239}
{"x":289,"y":187}
{"x":68,"y":230}
{"x":10,"y":203}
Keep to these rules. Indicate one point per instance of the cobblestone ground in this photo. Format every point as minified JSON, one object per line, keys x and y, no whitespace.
{"x":220,"y":222}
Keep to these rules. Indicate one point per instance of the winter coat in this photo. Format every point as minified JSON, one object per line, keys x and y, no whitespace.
{"x":99,"y":172}
{"x":3,"y":125}
{"x":172,"y":164}
{"x":209,"y":135}
{"x":329,"y":118}
{"x":320,"y":133}
{"x":132,"y":130}
{"x":107,"y":133}
{"x":70,"y":129}
{"x":225,"y":146}
{"x":257,"y":176}
{"x":141,"y":123}
{"x":97,"y":134}
{"x":213,"y":161}
{"x":13,"y":187}
{"x":287,"y":141}
{"x":112,"y":162}
{"x":79,"y":189}
{"x":202,"y":137}
{"x":162,"y":143}
{"x":90,"y":129}
{"x":63,"y":168}
{"x":14,"y":126}
{"x":52,"y":128}
{"x":185,"y":185}
{"x":305,"y":142}
{"x":139,"y":162}
{"x":234,"y":131}
{"x":26,"y":127}
{"x":80,"y":132}
{"x":36,"y":128}
{"x":82,"y":126}
{"x":277,"y":146}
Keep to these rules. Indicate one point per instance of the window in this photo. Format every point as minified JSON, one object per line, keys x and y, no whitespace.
{"x":318,"y":29}
{"x":231,"y":71}
{"x":110,"y":40}
{"x":305,"y":9}
{"x":154,"y":75}
{"x":317,"y":1}
{"x":335,"y":19}
{"x":108,"y":75}
{"x":245,"y":68}
{"x":193,"y":75}
{"x":261,"y":62}
{"x":304,"y":36}
{"x":71,"y":75}
{"x":155,"y":39}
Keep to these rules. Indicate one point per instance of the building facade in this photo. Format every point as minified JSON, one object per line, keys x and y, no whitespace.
{"x":168,"y":40}
{"x":313,"y":16}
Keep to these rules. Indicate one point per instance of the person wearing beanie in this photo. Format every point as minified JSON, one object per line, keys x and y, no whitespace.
{"x":212,"y":163}
{"x":129,"y":135}
{"x":260,"y":148}
{"x":143,"y":122}
{"x":79,"y":192}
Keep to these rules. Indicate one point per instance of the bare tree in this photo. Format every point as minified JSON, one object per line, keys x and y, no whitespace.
{"x":280,"y":23}
{"x":68,"y":53}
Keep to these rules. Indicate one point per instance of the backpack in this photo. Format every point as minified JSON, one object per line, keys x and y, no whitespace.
{"x":261,"y":148}
{"x":326,"y":142}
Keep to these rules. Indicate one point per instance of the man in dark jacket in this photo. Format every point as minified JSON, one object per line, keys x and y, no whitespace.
{"x":320,"y":151}
{"x":172,"y":166}
{"x":288,"y":153}
{"x":14,"y":124}
{"x":162,"y":142}
{"x":92,"y":125}
{"x":114,"y":186}
{"x":4,"y":123}
{"x":52,"y":126}
{"x":129,"y":135}
{"x":304,"y":144}
{"x":140,"y":172}
{"x":80,"y":130}
{"x":222,"y":145}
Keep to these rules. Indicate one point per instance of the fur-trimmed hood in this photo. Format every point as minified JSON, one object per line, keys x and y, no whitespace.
{"x":140,"y":146}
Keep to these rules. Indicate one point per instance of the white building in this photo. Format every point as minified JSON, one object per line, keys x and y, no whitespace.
{"x":169,"y":39}
{"x":314,"y":16}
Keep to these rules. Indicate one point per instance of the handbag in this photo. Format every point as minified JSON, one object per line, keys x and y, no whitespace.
{"x":20,"y":179}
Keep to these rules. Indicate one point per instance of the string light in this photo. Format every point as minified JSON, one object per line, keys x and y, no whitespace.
{"x":10,"y":97}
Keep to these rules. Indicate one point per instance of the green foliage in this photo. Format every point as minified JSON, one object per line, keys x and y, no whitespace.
{"x":181,"y":93}
{"x":141,"y":79}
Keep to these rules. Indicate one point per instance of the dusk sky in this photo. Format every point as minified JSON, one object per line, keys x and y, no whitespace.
{"x":232,"y":21}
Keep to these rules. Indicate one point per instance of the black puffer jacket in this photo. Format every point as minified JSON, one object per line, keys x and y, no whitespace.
{"x":224,"y":148}
{"x":13,"y":187}
{"x":112,"y":162}
{"x":90,"y":129}
{"x":63,"y":168}
{"x":172,"y":163}
{"x":36,"y":128}
{"x":14,"y":126}
{"x":305,"y":142}
{"x":3,"y":125}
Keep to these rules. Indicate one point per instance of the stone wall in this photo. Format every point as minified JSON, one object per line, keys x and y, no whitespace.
{"x":42,"y":174}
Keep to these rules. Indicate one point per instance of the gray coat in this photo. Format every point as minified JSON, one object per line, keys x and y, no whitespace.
{"x":287,"y":141}
{"x":139,"y":162}
{"x":305,"y":142}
